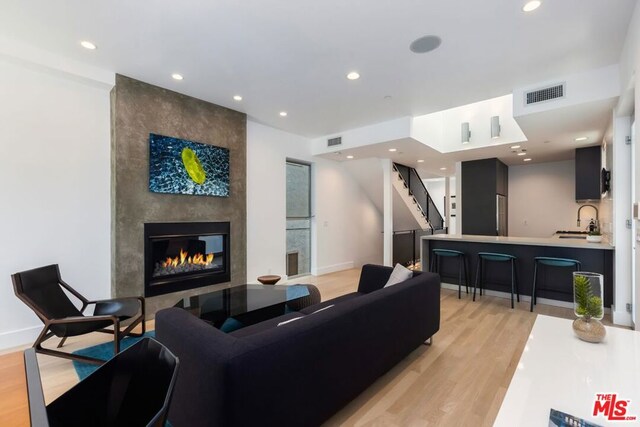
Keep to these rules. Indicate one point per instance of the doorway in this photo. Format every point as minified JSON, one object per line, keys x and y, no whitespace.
{"x":298,"y":255}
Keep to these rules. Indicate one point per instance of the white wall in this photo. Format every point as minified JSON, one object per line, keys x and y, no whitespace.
{"x":267,"y":152}
{"x":380,"y":132}
{"x":437,"y":190}
{"x":349,"y":226}
{"x":621,"y":213}
{"x":542,"y":199}
{"x":629,"y":102}
{"x":54,"y":170}
{"x":581,"y":88}
{"x":442,"y":130}
{"x":346,"y":228}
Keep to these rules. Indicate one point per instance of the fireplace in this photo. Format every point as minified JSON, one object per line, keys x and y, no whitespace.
{"x":185,"y":255}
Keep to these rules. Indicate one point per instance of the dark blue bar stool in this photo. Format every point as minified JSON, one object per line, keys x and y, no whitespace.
{"x":437,"y":254}
{"x":552,"y":262}
{"x":490,"y":256}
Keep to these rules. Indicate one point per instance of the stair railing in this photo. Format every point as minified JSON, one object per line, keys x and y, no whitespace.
{"x":420,"y":194}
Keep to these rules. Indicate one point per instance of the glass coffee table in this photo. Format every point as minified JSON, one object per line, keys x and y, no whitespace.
{"x":239,"y":306}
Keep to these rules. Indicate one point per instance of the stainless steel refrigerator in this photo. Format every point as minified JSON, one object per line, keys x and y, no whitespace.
{"x":501,"y":215}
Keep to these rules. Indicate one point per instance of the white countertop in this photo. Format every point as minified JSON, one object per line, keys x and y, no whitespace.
{"x":559,"y":371}
{"x":533,"y":241}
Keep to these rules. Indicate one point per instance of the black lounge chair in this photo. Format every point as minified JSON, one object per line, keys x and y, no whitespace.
{"x":42,"y":289}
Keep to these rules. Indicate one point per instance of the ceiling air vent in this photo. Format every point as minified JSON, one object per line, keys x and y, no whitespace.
{"x":334,"y":141}
{"x":545,"y":94}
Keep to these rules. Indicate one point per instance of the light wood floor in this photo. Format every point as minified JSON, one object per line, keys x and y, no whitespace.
{"x":459,"y":380}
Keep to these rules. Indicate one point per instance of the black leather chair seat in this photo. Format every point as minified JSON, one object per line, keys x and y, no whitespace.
{"x":73,"y":329}
{"x":123,"y":308}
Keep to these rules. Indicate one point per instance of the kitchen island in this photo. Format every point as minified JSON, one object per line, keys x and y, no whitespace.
{"x":557,"y":282}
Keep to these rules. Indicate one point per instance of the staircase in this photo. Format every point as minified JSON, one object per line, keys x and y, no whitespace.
{"x":412,"y":190}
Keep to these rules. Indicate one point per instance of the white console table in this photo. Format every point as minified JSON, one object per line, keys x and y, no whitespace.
{"x":559,"y":371}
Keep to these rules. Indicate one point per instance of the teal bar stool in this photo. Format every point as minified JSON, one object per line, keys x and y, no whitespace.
{"x":490,"y":256}
{"x":551,"y":262}
{"x":436,"y":258}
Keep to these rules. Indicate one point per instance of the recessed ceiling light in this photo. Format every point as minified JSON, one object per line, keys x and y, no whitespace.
{"x":531,"y":6}
{"x":522,"y":154}
{"x":88,"y":45}
{"x":527,"y":159}
{"x":582,"y":138}
{"x":354,"y":75}
{"x":177,"y":76}
{"x":237,"y":97}
{"x":283,"y":114}
{"x":349,"y":157}
{"x":443,"y":169}
{"x":393,"y":149}
{"x":425,"y":44}
{"x":515,"y":147}
{"x":420,"y":161}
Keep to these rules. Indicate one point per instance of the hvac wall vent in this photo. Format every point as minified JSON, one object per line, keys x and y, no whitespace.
{"x":545,"y":94}
{"x":334,"y":141}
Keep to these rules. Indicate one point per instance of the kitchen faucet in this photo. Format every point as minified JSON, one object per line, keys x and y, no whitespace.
{"x":584,"y":206}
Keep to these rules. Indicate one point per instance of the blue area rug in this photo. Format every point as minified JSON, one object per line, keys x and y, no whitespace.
{"x":102,"y":351}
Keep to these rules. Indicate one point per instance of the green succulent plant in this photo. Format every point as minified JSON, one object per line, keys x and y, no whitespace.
{"x":588,"y":305}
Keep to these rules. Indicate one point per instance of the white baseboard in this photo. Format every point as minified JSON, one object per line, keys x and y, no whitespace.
{"x":621,"y":317}
{"x":527,"y":298}
{"x":332,"y":268}
{"x":19,"y":338}
{"x":507,"y":295}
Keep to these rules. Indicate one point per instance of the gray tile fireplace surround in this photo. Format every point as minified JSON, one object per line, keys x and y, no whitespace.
{"x":138,"y":109}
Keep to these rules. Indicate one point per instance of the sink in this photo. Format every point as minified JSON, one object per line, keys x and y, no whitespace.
{"x":573,"y":237}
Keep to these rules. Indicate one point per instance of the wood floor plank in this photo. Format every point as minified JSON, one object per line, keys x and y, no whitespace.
{"x":14,"y":406}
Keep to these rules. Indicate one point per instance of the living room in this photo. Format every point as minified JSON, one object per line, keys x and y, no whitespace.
{"x":85,"y":85}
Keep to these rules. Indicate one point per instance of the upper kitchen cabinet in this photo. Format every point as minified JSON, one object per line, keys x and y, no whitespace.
{"x":484,"y":201}
{"x":588,"y":173}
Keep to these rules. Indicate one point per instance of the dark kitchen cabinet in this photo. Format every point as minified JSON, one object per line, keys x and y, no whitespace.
{"x":482,"y":182}
{"x":588,"y":173}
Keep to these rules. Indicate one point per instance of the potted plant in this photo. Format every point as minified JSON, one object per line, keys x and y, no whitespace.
{"x":588,"y":307}
{"x":594,"y":236}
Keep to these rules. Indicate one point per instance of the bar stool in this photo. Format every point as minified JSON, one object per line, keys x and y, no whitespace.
{"x":490,"y":256}
{"x":552,"y":262}
{"x":462,"y":265}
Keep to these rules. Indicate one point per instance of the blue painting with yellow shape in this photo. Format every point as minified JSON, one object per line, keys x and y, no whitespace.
{"x":178,"y":166}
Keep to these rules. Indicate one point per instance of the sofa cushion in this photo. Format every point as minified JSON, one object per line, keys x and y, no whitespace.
{"x":373,"y":277}
{"x":263,"y":326}
{"x":342,"y":298}
{"x":399,"y":274}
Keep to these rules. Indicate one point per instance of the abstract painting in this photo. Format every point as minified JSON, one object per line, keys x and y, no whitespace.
{"x":178,"y":166}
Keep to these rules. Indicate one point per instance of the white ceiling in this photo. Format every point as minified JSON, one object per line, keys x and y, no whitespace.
{"x":293,"y":55}
{"x":409,"y":151}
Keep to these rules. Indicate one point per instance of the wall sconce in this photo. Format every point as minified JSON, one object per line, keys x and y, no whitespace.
{"x":495,"y":127}
{"x":466,"y":133}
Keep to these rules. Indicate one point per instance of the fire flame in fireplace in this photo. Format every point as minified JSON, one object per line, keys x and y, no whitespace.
{"x":184,"y":258}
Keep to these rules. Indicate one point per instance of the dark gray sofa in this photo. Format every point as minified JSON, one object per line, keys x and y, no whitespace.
{"x":301,"y":373}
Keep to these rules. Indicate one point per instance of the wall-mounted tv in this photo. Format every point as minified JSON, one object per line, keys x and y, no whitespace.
{"x":178,"y":166}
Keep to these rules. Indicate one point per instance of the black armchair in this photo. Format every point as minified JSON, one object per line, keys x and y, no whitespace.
{"x":134,"y":388}
{"x":41,"y":289}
